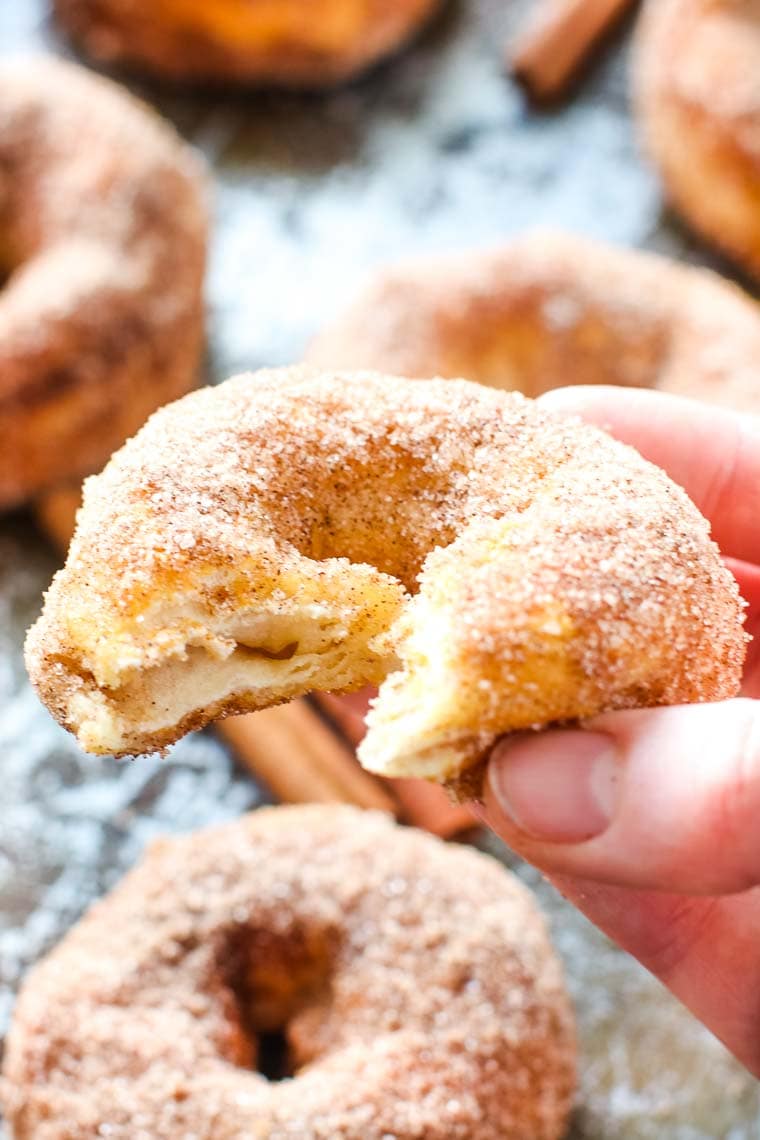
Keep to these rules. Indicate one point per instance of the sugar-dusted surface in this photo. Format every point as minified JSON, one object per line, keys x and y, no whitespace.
{"x":103,"y":238}
{"x":286,"y":44}
{"x":698,"y":88}
{"x":560,"y":575}
{"x":435,"y":152}
{"x":412,"y":1008}
{"x":549,"y":309}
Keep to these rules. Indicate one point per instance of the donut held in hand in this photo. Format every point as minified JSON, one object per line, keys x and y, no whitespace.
{"x":495,"y":566}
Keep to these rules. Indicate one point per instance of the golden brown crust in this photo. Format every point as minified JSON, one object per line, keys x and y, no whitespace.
{"x":697,"y":79}
{"x":411,"y":1007}
{"x":550,"y":309}
{"x":261,"y":539}
{"x":103,"y":231}
{"x":290,"y":43}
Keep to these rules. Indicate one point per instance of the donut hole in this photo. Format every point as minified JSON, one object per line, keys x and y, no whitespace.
{"x":279,"y":982}
{"x":329,"y":514}
{"x":274,"y":1057}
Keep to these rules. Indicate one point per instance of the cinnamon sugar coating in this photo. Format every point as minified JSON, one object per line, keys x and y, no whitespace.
{"x":287,"y":43}
{"x":499,"y":566}
{"x":103,"y":236}
{"x":697,"y":80}
{"x":550,"y":309}
{"x":412,"y":1008}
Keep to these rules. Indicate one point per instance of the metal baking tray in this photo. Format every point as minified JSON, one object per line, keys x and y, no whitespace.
{"x":436,"y":150}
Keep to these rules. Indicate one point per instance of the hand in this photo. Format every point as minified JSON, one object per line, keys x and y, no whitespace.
{"x":649,"y":821}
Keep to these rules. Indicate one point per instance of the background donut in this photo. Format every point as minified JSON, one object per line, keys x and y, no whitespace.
{"x":697,"y":85}
{"x":550,"y":309}
{"x":103,"y":224}
{"x":413,"y":982}
{"x":288,"y":43}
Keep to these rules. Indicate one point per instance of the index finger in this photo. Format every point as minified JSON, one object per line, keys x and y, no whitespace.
{"x":712,"y":452}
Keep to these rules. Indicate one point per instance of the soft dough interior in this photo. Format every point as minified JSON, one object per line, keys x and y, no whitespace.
{"x":259,"y":659}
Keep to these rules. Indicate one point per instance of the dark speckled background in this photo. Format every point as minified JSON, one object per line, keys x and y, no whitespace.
{"x":435,"y":151}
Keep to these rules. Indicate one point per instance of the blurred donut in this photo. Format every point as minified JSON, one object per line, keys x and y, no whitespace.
{"x":103,"y":238}
{"x":697,"y":81}
{"x":550,"y":309}
{"x":413,"y":983}
{"x":289,"y":43}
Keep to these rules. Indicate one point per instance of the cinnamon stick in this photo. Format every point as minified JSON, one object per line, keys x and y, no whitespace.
{"x":289,"y":748}
{"x":347,"y":713}
{"x":428,"y":807}
{"x":422,"y":804}
{"x":550,"y":51}
{"x":300,"y":759}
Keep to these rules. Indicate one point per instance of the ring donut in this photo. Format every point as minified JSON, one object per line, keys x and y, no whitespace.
{"x":102,"y":237}
{"x":410,"y":1007}
{"x":697,"y":81}
{"x":288,"y":43}
{"x":550,"y":309}
{"x":502,"y":567}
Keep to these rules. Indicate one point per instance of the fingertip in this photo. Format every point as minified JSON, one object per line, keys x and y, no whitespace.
{"x":558,"y":787}
{"x":659,"y":799}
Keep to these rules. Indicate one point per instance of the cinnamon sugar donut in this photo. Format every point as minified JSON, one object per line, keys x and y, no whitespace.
{"x":550,"y":309}
{"x":264,"y":538}
{"x":103,"y":235}
{"x":411,"y":1007}
{"x":291,"y":43}
{"x":697,"y":80}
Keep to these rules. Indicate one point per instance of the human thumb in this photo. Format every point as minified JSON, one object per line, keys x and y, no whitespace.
{"x":665,"y":798}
